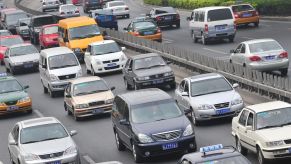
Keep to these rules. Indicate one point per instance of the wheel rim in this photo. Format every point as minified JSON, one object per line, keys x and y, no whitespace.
{"x":134,"y":152}
{"x":238,"y":146}
{"x":117,"y":140}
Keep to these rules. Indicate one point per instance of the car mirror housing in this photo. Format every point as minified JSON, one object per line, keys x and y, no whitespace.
{"x":44,"y":66}
{"x":26,"y":87}
{"x":73,"y":132}
{"x":12,"y":142}
{"x":235,"y":85}
{"x":112,"y":88}
{"x":185,"y":94}
{"x":187,"y":111}
{"x":124,"y":122}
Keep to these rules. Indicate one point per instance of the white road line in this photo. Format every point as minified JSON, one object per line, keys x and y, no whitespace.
{"x":37,"y":112}
{"x":89,"y":159}
{"x":216,"y":51}
{"x":249,"y":38}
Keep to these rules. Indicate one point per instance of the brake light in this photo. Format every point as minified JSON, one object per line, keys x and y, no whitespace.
{"x":158,"y":18}
{"x":136,"y":33}
{"x":284,"y":55}
{"x":126,"y":8}
{"x":177,"y":16}
{"x":206,"y":28}
{"x":236,"y":15}
{"x":255,"y":58}
{"x":159,"y":30}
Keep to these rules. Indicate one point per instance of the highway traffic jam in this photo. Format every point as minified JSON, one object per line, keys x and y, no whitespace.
{"x":156,"y":115}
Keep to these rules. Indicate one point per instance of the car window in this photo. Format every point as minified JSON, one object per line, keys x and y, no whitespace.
{"x":196,"y":16}
{"x":15,"y":133}
{"x":144,"y":25}
{"x":50,"y":30}
{"x":250,"y":119}
{"x":149,"y":62}
{"x":120,"y":105}
{"x":237,"y":50}
{"x":7,"y":42}
{"x":243,"y":117}
{"x":241,"y":8}
{"x":62,"y":61}
{"x":264,"y":46}
{"x":219,"y":14}
{"x":41,"y":21}
{"x":23,"y":50}
{"x":201,"y":16}
{"x":107,"y":48}
{"x":126,"y":112}
{"x":243,"y":49}
{"x":90,"y":87}
{"x":181,"y":86}
{"x":12,"y":19}
{"x":8,"y":86}
{"x":83,"y":32}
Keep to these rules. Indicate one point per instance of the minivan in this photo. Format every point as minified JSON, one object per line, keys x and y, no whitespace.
{"x":149,"y":123}
{"x":57,"y":66}
{"x":210,"y":23}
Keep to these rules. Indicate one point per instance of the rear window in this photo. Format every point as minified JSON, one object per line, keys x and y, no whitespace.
{"x":144,"y":25}
{"x":43,"y":21}
{"x":51,"y":30}
{"x":264,"y":46}
{"x":241,"y":8}
{"x":219,"y":14}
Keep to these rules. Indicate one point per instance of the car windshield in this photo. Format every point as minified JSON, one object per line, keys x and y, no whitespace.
{"x":38,"y":22}
{"x":62,"y":61}
{"x":10,"y":41}
{"x":50,"y":30}
{"x":155,"y":111}
{"x":23,"y":50}
{"x":105,"y":48}
{"x":274,"y":118}
{"x":24,"y":22}
{"x":219,"y":14}
{"x":209,"y":86}
{"x":264,"y":46}
{"x":241,"y":8}
{"x":144,"y":25}
{"x":90,"y":87}
{"x":42,"y":133}
{"x":84,"y":32}
{"x":4,"y":33}
{"x":148,"y":62}
{"x":227,"y":160}
{"x":7,"y":86}
{"x":112,"y":4}
{"x":12,"y":19}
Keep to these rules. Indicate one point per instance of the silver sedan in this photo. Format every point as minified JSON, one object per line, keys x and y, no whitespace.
{"x":69,"y":10}
{"x":42,"y":140}
{"x":261,"y":55}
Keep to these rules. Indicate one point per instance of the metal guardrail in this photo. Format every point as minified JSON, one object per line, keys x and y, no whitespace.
{"x":269,"y":85}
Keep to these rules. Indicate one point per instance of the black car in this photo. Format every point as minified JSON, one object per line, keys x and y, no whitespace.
{"x":11,"y":18}
{"x":165,"y":16}
{"x":147,"y":70}
{"x":92,"y":5}
{"x":149,"y":123}
{"x":215,"y":154}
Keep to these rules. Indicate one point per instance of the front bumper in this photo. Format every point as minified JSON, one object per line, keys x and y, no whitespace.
{"x":25,"y":66}
{"x":105,"y":68}
{"x":156,"y":82}
{"x":67,"y":159}
{"x":58,"y":85}
{"x":277,"y":153}
{"x":155,"y":37}
{"x":156,"y":149}
{"x":269,"y":66}
{"x":23,"y":107}
{"x":95,"y":110}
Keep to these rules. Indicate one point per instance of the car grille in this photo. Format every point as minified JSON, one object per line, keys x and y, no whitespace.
{"x":96,"y":103}
{"x":109,"y":68}
{"x":156,"y":76}
{"x":71,"y":76}
{"x":287,"y":141}
{"x":166,"y":136}
{"x":221,"y":105}
{"x":52,"y":155}
{"x":110,"y":61}
{"x":11,"y":102}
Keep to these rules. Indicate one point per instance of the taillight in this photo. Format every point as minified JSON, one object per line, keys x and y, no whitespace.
{"x":126,"y":8}
{"x":236,"y":15}
{"x":177,"y":16}
{"x":284,"y":55}
{"x":255,"y":58}
{"x":206,"y":28}
{"x":158,"y":18}
{"x":159,"y":30}
{"x":136,"y":33}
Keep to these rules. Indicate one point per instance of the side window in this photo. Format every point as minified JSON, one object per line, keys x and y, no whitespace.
{"x":68,"y":89}
{"x":181,"y":86}
{"x":237,"y":50}
{"x":119,"y":105}
{"x":126,"y":112}
{"x":61,"y":32}
{"x":196,"y":16}
{"x":243,"y":49}
{"x":201,"y":16}
{"x":186,"y":88}
{"x":250,"y":120}
{"x":89,"y":48}
{"x":243,"y":117}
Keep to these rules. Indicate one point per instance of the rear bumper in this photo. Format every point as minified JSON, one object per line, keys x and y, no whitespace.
{"x":269,"y":66}
{"x":91,"y":111}
{"x":157,"y":37}
{"x":157,"y":82}
{"x":21,"y":109}
{"x":247,"y":20}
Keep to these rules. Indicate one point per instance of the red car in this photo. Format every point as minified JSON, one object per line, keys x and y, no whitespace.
{"x":7,"y":41}
{"x":76,"y":2}
{"x":48,"y":36}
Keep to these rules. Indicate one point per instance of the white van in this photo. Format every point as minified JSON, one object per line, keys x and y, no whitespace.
{"x":57,"y":66}
{"x":212,"y":23}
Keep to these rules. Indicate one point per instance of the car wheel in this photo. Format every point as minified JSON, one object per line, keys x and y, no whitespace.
{"x":68,"y":110}
{"x":76,"y":118}
{"x":284,"y":72}
{"x":194,"y":38}
{"x":7,"y":69}
{"x":240,"y":148}
{"x":51,"y":93}
{"x":204,"y":40}
{"x":231,"y":39}
{"x":136,"y":156}
{"x":178,"y":25}
{"x":45,"y":90}
{"x":256,"y":24}
{"x":10,"y":158}
{"x":2,"y":62}
{"x":120,"y":146}
{"x":261,"y":157}
{"x":88,"y":71}
{"x":12,"y":71}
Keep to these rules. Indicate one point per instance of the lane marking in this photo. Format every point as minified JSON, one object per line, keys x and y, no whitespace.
{"x":89,"y":159}
{"x":216,"y":51}
{"x":249,"y":38}
{"x":37,"y":112}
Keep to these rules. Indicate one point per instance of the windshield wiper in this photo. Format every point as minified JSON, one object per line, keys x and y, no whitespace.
{"x":269,"y":126}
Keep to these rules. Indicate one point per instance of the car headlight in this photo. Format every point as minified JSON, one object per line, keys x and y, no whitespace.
{"x":169,"y":74}
{"x":188,"y":131}
{"x":109,"y":101}
{"x":205,"y":107}
{"x":24,"y":100}
{"x":143,"y":78}
{"x":17,"y":63}
{"x":30,"y":157}
{"x":236,"y":101}
{"x":275,"y":143}
{"x":98,"y":62}
{"x":77,"y":50}
{"x":71,"y":150}
{"x":80,"y":106}
{"x":53,"y":77}
{"x":123,"y":57}
{"x":80,"y":73}
{"x":144,"y":138}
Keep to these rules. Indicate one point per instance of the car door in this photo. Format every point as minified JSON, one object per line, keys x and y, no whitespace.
{"x":14,"y":149}
{"x":236,"y":55}
{"x":250,"y":133}
{"x":242,"y":54}
{"x":186,"y":99}
{"x":44,"y":72}
{"x":127,"y":128}
{"x":130,"y":74}
{"x":241,"y":127}
{"x":41,"y":38}
{"x":120,"y":104}
{"x":178,"y":92}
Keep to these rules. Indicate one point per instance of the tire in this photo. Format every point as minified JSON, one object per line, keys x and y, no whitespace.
{"x":284,"y":72}
{"x":194,"y":37}
{"x":93,"y":72}
{"x":178,"y":25}
{"x":127,"y":86}
{"x":120,"y":146}
{"x":136,"y":87}
{"x":2,"y":62}
{"x":11,"y":70}
{"x":173,"y":86}
{"x":51,"y":93}
{"x":137,"y":158}
{"x":195,"y":121}
{"x":88,"y":71}
{"x":204,"y":40}
{"x":7,"y":69}
{"x":240,"y":148}
{"x":256,"y":24}
{"x":75,"y":117}
{"x":231,"y":39}
{"x":10,"y":158}
{"x":260,"y":156}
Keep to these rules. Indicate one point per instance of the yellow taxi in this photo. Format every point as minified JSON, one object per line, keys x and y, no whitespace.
{"x":245,"y":14}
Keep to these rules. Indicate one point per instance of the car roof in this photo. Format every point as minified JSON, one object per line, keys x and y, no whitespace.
{"x":102,"y":42}
{"x":145,"y":96}
{"x":141,"y":56}
{"x":268,"y":106}
{"x":211,"y":8}
{"x":258,"y":41}
{"x":85,"y":79}
{"x":38,"y":121}
{"x":20,"y":45}
{"x":205,"y":76}
{"x":55,"y":51}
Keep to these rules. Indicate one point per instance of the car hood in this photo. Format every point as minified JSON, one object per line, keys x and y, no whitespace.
{"x":101,"y":96}
{"x":110,"y":56}
{"x":25,"y":58}
{"x":215,"y":98}
{"x":12,"y":96}
{"x":65,"y":71}
{"x":275,"y":134}
{"x":152,"y":71}
{"x":47,"y":147}
{"x":178,"y":123}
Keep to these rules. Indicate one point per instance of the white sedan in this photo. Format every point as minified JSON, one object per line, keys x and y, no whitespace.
{"x":104,"y":56}
{"x":119,"y":8}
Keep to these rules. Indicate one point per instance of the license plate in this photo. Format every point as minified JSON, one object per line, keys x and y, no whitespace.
{"x":168,"y":17}
{"x":28,"y":65}
{"x":247,"y":15}
{"x":158,"y":81}
{"x":222,"y":111}
{"x":97,"y":111}
{"x":148,"y":33}
{"x":12,"y":108}
{"x":270,"y":57}
{"x":170,"y":146}
{"x":55,"y":162}
{"x":218,"y":28}
{"x":111,"y":64}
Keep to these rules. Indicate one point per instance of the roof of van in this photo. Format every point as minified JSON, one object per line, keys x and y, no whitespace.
{"x":55,"y":51}
{"x":76,"y":22}
{"x":211,"y":8}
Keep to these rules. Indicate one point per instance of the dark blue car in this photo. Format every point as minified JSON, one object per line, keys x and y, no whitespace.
{"x":104,"y":18}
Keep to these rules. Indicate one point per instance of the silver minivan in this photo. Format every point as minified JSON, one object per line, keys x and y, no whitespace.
{"x":210,"y":23}
{"x":57,"y":66}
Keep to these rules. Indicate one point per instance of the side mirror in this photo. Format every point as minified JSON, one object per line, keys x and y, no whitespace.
{"x":124,"y":122}
{"x":26,"y":87}
{"x":73,"y":132}
{"x":188,"y":18}
{"x":185,"y":94}
{"x":112,"y":88}
{"x":44,"y":66}
{"x":235,"y":85}
{"x":231,"y":51}
{"x":125,"y":28}
{"x":169,"y":62}
{"x":249,"y":128}
{"x":123,"y":48}
{"x":12,"y":141}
